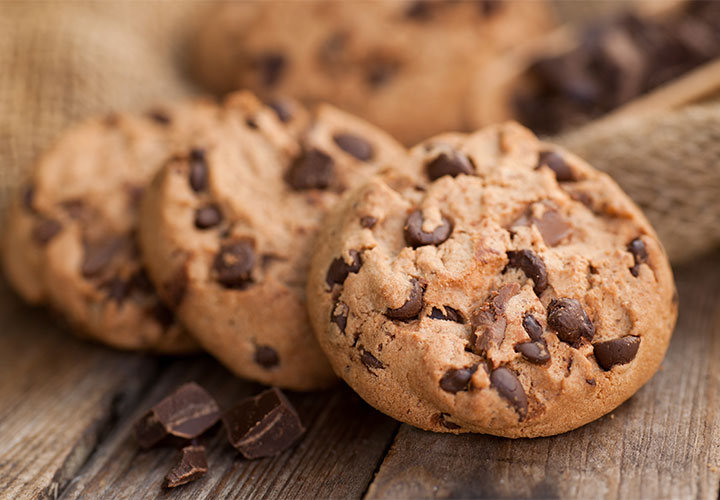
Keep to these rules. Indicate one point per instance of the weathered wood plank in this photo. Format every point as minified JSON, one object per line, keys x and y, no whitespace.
{"x":662,"y":443}
{"x":346,"y":440}
{"x":58,"y":397}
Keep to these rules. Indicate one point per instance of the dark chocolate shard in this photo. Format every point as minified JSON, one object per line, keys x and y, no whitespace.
{"x":567,"y":317}
{"x":489,"y":321}
{"x":615,"y":352}
{"x":192,"y":465}
{"x":509,"y":387}
{"x":264,"y":425}
{"x":339,"y":316}
{"x":186,"y":414}
{"x":533,"y":267}
{"x":556,"y":163}
{"x":412,"y":306}
{"x":339,"y":270}
{"x":370,"y":361}
{"x":637,"y":248}
{"x":456,"y":380}
{"x":450,"y":314}
{"x":416,"y":237}
{"x":452,"y":164}
{"x":553,"y":227}
{"x":534,"y":351}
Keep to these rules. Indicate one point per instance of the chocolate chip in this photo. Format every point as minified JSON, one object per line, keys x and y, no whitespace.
{"x":535,"y":351}
{"x":452,"y":164}
{"x":163,"y":315}
{"x":443,"y":417}
{"x":380,"y":71}
{"x":416,"y":237}
{"x":45,"y":230}
{"x":532,"y":326}
{"x":355,"y":146}
{"x":616,"y":352}
{"x":419,"y":10}
{"x":272,"y":65}
{"x":340,"y":315}
{"x":159,"y":116}
{"x":533,"y":267}
{"x":198,"y":170}
{"x":489,"y":7}
{"x":251,"y":123}
{"x":368,"y":221}
{"x":176,"y":287}
{"x":234,"y":263}
{"x":98,"y":255}
{"x":117,"y":289}
{"x":450,"y":314}
{"x":339,"y":269}
{"x":311,"y":170}
{"x":567,"y":317}
{"x":282,"y":110}
{"x":208,"y":216}
{"x":637,"y":248}
{"x":556,"y":163}
{"x":186,"y":413}
{"x":509,"y":387}
{"x":457,"y":380}
{"x":370,"y":361}
{"x":266,"y":356}
{"x":192,"y":465}
{"x":140,"y":281}
{"x":263,"y":426}
{"x":28,"y":197}
{"x":412,"y":306}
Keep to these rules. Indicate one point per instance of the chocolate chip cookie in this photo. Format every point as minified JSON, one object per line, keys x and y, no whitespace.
{"x":227,"y":230}
{"x":402,"y":65}
{"x":504,"y":287}
{"x":69,"y":238}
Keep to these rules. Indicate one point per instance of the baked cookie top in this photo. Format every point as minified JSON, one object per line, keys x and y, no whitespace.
{"x":69,"y":237}
{"x":227,"y":230}
{"x":405,"y":66}
{"x":503,"y":286}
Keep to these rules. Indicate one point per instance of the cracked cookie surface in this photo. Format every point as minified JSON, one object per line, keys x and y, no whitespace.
{"x":227,"y":230}
{"x":503,"y":286}
{"x":69,"y":239}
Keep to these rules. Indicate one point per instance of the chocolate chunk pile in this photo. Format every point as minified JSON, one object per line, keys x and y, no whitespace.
{"x":260,"y":426}
{"x":616,"y":61}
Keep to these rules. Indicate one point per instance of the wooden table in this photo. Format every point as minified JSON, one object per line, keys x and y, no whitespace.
{"x":67,"y":409}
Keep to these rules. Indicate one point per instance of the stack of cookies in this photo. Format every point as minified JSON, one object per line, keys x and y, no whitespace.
{"x":483,"y":282}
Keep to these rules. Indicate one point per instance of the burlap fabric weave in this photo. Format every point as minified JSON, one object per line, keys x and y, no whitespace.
{"x":62,"y":61}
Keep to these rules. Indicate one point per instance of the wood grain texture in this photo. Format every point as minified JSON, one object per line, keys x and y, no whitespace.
{"x":345,"y":441}
{"x":58,"y":398}
{"x":663,"y":443}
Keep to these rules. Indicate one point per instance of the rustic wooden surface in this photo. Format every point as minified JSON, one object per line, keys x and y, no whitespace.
{"x":67,"y":409}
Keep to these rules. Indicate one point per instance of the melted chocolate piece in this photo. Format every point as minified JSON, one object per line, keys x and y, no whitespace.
{"x":615,"y":352}
{"x":509,"y":387}
{"x":416,"y":237}
{"x":533,"y":267}
{"x":412,"y":306}
{"x":567,"y":317}
{"x":339,"y":269}
{"x":234,"y":262}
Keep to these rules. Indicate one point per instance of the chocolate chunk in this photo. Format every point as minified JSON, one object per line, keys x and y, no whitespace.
{"x":163,"y":315}
{"x":419,"y":10}
{"x":45,"y":230}
{"x":450,"y":314}
{"x":567,"y":317}
{"x":535,"y":351}
{"x":159,"y":116}
{"x":489,"y":321}
{"x":311,"y":170}
{"x":266,"y":356}
{"x":263,"y":426}
{"x":616,"y":352}
{"x":251,"y":123}
{"x":368,"y":221}
{"x":556,"y":163}
{"x":533,"y":267}
{"x":509,"y":387}
{"x":272,"y":66}
{"x":452,"y":164}
{"x":28,"y":198}
{"x":553,"y":227}
{"x":532,"y":327}
{"x":176,"y":287}
{"x":208,"y":216}
{"x":412,"y":306}
{"x":98,"y":255}
{"x":117,"y":289}
{"x":339,"y":269}
{"x":488,"y":8}
{"x":192,"y":465}
{"x":234,"y":263}
{"x":282,"y":110}
{"x":637,"y":248}
{"x":340,"y":316}
{"x":416,"y":237}
{"x":457,"y":380}
{"x":198,"y":170}
{"x":380,"y":71}
{"x":185,"y":414}
{"x":370,"y":361}
{"x":355,"y":146}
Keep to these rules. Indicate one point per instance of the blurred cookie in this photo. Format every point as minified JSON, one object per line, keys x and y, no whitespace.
{"x":227,"y":230}
{"x":503,"y":287}
{"x":402,"y":65}
{"x":69,"y":238}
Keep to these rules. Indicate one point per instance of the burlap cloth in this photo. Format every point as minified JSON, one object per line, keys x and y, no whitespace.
{"x":61,"y":61}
